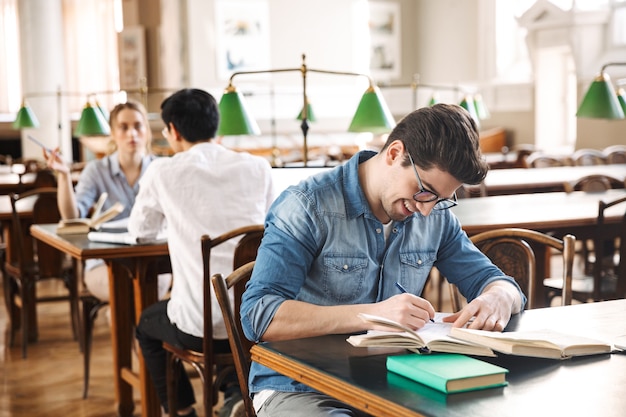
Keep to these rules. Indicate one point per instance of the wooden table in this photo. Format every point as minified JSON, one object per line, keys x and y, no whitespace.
{"x":130,"y":268}
{"x":532,"y":180}
{"x":13,"y":182}
{"x":564,"y":213}
{"x":558,"y":213}
{"x":585,"y":386}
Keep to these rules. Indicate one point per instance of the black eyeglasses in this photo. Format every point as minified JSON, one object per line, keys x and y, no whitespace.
{"x":424,"y":195}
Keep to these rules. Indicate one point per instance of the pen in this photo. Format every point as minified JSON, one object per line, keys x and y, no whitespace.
{"x":40,"y":144}
{"x":402,"y":289}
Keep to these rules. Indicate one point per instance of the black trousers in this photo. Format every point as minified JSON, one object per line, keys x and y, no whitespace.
{"x":153,"y":329}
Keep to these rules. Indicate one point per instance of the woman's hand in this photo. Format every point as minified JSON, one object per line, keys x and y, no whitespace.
{"x":54,"y":161}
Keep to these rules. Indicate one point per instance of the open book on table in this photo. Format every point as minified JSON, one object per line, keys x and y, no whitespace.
{"x":117,"y":232}
{"x":84,"y":225}
{"x":539,"y":343}
{"x":432,"y":337}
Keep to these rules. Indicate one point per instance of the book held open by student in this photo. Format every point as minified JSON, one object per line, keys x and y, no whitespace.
{"x":540,"y":343}
{"x":442,"y":337}
{"x":432,"y":337}
{"x":87,"y":224}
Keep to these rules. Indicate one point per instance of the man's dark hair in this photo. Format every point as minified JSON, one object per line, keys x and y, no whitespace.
{"x":193,"y":112}
{"x":444,"y":136}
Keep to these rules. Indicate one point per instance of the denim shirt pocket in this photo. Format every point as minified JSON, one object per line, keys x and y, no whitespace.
{"x":344,"y":276}
{"x":415,"y":266}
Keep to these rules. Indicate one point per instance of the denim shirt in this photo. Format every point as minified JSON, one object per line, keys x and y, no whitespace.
{"x":324,"y":246}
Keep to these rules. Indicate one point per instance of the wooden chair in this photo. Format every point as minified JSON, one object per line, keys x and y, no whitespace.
{"x":542,"y":160}
{"x":204,"y":363}
{"x":239,"y":345}
{"x":592,"y":184}
{"x":615,"y":154}
{"x":608,"y":280}
{"x":588,"y":156}
{"x":45,"y":178}
{"x":513,"y":251}
{"x":36,"y":262}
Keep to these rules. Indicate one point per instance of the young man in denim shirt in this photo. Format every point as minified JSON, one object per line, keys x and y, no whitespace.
{"x":336,"y":244}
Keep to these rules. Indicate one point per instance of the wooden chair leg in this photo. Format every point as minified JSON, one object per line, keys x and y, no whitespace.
{"x":10,"y":292}
{"x":172,"y":382}
{"x":91,"y":306}
{"x":24,"y":318}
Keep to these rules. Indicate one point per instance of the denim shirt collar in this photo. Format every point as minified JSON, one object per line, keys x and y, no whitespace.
{"x":356,"y":203}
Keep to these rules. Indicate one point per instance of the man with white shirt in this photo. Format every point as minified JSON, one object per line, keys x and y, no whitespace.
{"x":204,"y":188}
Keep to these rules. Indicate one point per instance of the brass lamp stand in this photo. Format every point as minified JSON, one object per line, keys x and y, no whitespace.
{"x":372,"y":114}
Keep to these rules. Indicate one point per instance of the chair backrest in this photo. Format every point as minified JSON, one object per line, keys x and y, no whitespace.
{"x":593,"y":183}
{"x":236,"y":339}
{"x":588,"y":157}
{"x":245,"y":251}
{"x":615,"y":154}
{"x":45,"y":178}
{"x":44,"y":210}
{"x":541,"y":160}
{"x":513,"y":251}
{"x":603,"y":230}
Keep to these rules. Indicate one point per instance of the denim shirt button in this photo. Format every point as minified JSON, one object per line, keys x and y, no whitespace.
{"x":378,"y":230}
{"x":419,"y":261}
{"x":345,"y":267}
{"x":395,"y":230}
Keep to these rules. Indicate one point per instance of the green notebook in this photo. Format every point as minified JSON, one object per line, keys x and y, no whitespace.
{"x":448,"y":372}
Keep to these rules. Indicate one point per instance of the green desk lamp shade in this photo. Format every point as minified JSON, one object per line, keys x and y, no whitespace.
{"x":621,"y":97}
{"x":234,"y":116}
{"x":25,"y":118}
{"x":310,"y":116}
{"x":481,"y":109}
{"x":600,"y":101}
{"x":372,"y":114}
{"x":92,"y":123}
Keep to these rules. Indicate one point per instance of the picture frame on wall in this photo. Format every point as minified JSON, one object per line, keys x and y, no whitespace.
{"x":385,"y":42}
{"x":242,"y":28}
{"x":132,"y":55}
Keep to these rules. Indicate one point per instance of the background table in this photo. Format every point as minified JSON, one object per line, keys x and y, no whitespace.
{"x":127,"y":264}
{"x":557,"y":213}
{"x":574,"y":213}
{"x":533,"y":180}
{"x":585,"y":386}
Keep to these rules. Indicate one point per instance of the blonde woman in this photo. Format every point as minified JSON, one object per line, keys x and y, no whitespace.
{"x":117,"y":174}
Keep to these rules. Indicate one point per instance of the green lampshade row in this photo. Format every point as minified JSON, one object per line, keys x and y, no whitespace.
{"x":372,"y":114}
{"x":25,"y":118}
{"x":92,"y":123}
{"x":600,"y":101}
{"x":234,"y":116}
{"x":310,"y":115}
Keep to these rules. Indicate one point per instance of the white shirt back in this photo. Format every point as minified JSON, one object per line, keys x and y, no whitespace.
{"x":211,"y":190}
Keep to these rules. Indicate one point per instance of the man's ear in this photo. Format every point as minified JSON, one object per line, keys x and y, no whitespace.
{"x":175,"y":133}
{"x":394,"y":151}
